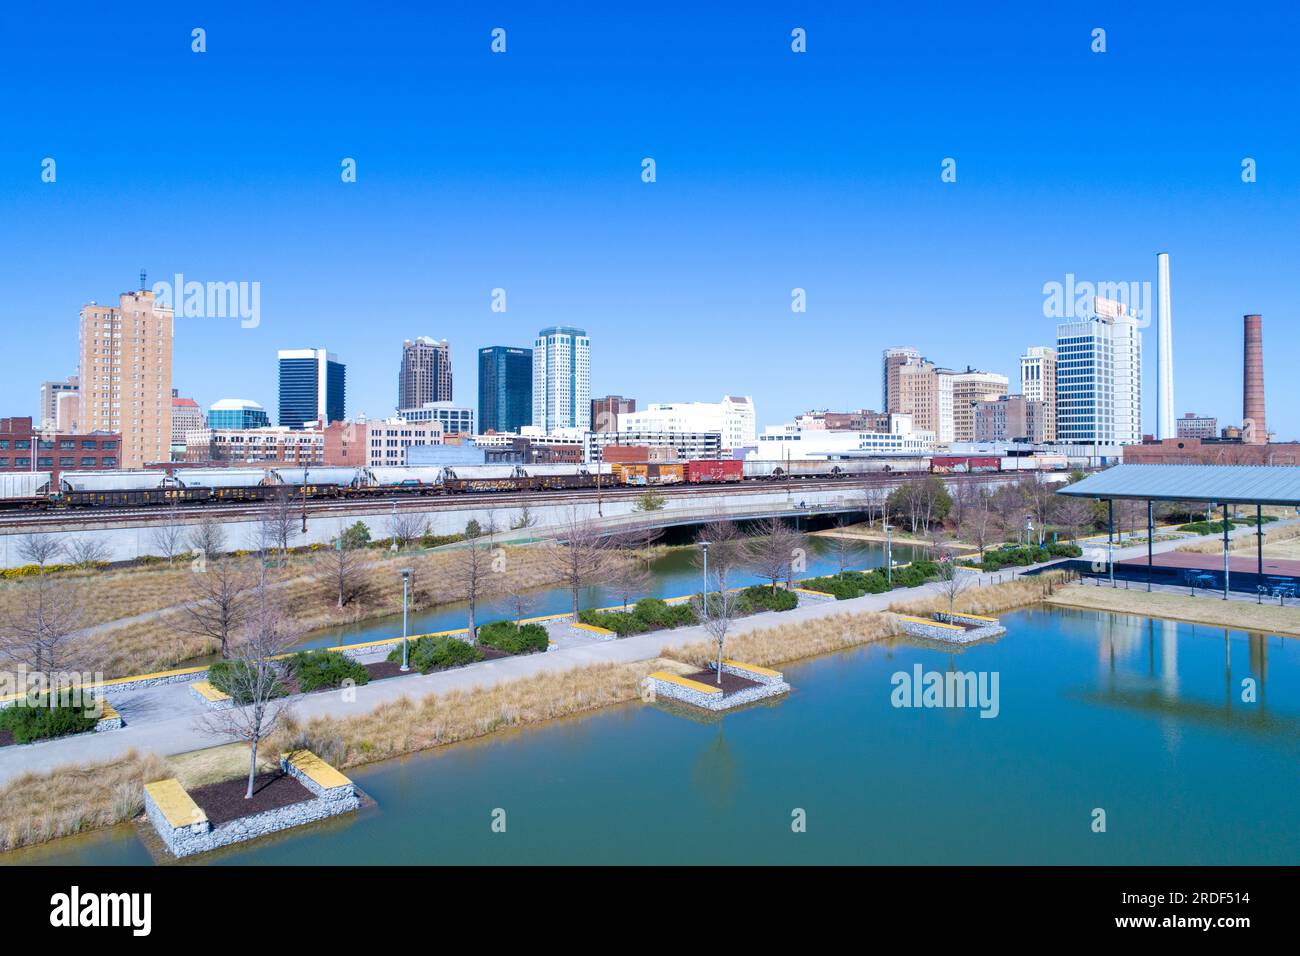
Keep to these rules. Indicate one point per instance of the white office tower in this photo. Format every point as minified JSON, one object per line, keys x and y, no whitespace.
{"x":561,"y":379}
{"x":1164,"y":352}
{"x":1099,"y":378}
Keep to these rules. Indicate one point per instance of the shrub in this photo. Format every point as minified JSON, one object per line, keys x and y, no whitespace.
{"x":473,"y":529}
{"x":322,"y":668}
{"x":760,"y":597}
{"x":42,"y":721}
{"x":429,"y":654}
{"x":851,"y":584}
{"x":649,"y":614}
{"x":225,"y":674}
{"x":1065,"y":549}
{"x":514,"y":638}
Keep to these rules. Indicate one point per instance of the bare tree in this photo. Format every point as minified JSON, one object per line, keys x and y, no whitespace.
{"x":524,"y":519}
{"x":726,"y":549}
{"x":279,"y":521}
{"x":41,"y":632}
{"x":772,"y":550}
{"x":1040,"y":500}
{"x":345,"y":569}
{"x":630,"y":578}
{"x":520,"y":601}
{"x":469,"y":576}
{"x":718,"y":611}
{"x":951,"y":582}
{"x":224,"y":600}
{"x":1075,"y":515}
{"x":253,"y":680}
{"x":978,"y":520}
{"x":404,"y":527}
{"x":843,"y":547}
{"x":208,"y":538}
{"x":169,"y":537}
{"x":39,"y":549}
{"x":580,"y":554}
{"x":87,"y":552}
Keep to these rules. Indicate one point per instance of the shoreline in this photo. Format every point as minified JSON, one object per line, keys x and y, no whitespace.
{"x":1206,"y":610}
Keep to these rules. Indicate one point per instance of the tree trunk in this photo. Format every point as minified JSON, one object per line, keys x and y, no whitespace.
{"x":720,"y":640}
{"x":252,"y":767}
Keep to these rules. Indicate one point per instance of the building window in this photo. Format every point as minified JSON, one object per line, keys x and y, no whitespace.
{"x":67,"y":462}
{"x":89,"y":443}
{"x":88,"y":462}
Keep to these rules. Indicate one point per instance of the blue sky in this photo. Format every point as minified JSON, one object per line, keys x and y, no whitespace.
{"x":775,"y":170}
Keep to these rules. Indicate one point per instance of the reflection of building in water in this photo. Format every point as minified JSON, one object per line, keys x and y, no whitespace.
{"x":1123,"y":644}
{"x":1258,"y":644}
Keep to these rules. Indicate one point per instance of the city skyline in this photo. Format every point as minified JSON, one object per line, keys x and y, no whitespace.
{"x":775,"y":193}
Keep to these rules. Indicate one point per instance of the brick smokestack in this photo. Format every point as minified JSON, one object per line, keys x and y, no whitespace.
{"x":1252,"y":382}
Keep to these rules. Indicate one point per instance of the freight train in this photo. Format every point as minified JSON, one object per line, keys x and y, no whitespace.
{"x":132,"y":489}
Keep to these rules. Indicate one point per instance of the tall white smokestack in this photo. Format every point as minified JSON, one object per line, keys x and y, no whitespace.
{"x":1164,"y":351}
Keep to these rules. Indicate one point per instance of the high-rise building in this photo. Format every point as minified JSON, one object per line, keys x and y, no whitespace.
{"x":238,"y":413}
{"x":186,"y":417}
{"x":1164,"y":351}
{"x":1099,"y":378}
{"x":891,"y":360}
{"x":313,"y":387}
{"x":50,"y":394}
{"x":425,"y":375}
{"x":605,"y":412}
{"x":126,"y":375}
{"x":505,"y":388}
{"x":561,"y":379}
{"x":1038,"y":384}
{"x":969,"y":387}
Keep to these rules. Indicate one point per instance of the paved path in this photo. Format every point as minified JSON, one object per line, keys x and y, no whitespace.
{"x":166,"y":719}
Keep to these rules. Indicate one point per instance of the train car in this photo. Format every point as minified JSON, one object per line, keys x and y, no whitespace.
{"x":319,"y":476}
{"x":631,"y":473}
{"x":121,"y":489}
{"x":226,"y":484}
{"x":25,"y":490}
{"x":709,"y":471}
{"x":958,"y":464}
{"x":461,"y":479}
{"x":667,"y":473}
{"x":401,"y":479}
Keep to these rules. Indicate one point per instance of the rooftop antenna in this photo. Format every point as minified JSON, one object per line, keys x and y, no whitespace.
{"x":143,"y":275}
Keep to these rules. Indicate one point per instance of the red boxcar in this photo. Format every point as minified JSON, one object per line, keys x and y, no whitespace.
{"x":706,"y":470}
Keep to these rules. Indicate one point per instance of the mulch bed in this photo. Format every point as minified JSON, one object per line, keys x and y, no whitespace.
{"x":6,"y":737}
{"x":224,"y":801}
{"x":492,"y":653}
{"x":730,"y":682}
{"x":380,"y":670}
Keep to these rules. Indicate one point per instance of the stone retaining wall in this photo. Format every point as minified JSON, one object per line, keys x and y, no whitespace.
{"x":201,"y":837}
{"x":768,"y":686}
{"x":960,"y":634}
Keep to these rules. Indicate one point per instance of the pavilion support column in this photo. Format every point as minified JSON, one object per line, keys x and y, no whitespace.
{"x":1225,"y":552}
{"x":1110,"y":539}
{"x":1151,"y":533}
{"x":1259,"y":543}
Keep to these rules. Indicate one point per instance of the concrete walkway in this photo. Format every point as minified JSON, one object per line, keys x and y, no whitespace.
{"x":166,"y":719}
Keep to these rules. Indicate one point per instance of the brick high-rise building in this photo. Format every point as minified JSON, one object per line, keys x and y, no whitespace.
{"x":891,"y":360}
{"x":126,"y":375}
{"x":969,"y":387}
{"x":425,"y":375}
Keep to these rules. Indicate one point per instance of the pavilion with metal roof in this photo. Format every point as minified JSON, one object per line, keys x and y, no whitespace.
{"x":1221,"y":485}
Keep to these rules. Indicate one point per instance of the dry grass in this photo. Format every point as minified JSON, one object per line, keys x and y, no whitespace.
{"x":992,"y":599}
{"x":405,"y":726}
{"x":1272,"y":536}
{"x":1238,"y":615}
{"x":791,"y":642}
{"x":215,"y":764}
{"x":161,"y":642}
{"x":37,"y":807}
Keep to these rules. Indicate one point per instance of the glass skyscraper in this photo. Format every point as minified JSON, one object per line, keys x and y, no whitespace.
{"x":561,"y":379}
{"x":505,"y":388}
{"x":312,"y":387}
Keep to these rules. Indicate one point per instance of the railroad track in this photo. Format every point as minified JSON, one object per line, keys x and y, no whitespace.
{"x":326,"y":507}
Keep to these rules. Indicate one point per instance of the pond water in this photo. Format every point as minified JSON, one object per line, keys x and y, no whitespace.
{"x":1142,"y":719}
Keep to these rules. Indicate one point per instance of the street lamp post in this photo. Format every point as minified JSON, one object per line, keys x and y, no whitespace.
{"x":406,"y":587}
{"x":889,"y":554}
